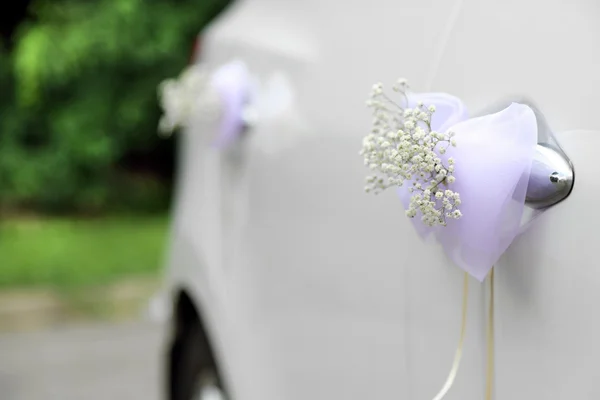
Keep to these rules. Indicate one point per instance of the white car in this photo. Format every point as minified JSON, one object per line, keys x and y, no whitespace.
{"x":287,"y":282}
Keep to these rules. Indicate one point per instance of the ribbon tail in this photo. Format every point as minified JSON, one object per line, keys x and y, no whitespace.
{"x":459,"y":350}
{"x":489,"y":380}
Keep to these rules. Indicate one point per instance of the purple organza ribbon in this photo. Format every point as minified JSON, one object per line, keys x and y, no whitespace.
{"x":493,"y":156}
{"x":232,"y":82}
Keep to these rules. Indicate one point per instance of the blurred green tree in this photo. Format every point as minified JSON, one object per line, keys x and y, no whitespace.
{"x":79,"y":100}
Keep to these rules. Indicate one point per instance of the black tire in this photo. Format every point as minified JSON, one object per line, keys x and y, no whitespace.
{"x":192,"y":364}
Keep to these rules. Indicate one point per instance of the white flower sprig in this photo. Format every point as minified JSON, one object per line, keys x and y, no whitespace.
{"x":402,"y":148}
{"x":189,"y":96}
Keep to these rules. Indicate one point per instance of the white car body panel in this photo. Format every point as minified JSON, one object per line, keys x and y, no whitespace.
{"x":312,"y":289}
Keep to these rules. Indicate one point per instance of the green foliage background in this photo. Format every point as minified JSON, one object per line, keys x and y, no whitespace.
{"x":78,"y":103}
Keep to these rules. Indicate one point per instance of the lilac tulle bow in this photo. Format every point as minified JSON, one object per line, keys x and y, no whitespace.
{"x":232,"y":83}
{"x":493,"y":156}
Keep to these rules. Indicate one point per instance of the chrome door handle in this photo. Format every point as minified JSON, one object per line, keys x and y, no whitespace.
{"x":552,"y":174}
{"x":551,"y":179}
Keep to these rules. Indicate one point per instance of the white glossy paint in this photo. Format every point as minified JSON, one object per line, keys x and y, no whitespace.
{"x":314,"y":290}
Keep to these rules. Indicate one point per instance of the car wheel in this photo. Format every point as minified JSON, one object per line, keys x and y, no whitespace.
{"x":193,"y":372}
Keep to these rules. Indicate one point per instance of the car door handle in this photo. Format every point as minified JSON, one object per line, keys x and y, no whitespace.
{"x":552,"y":174}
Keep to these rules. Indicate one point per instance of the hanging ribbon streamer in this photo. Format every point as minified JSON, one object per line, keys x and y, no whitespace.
{"x":458,"y":354}
{"x":489,"y":380}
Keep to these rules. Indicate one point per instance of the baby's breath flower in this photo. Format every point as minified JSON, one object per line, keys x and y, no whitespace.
{"x":401,"y":147}
{"x":185,"y":97}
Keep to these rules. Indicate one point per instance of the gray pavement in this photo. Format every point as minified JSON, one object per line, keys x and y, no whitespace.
{"x":92,"y":362}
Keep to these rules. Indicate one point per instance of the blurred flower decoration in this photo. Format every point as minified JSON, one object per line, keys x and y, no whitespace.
{"x":229,"y":96}
{"x":182,"y":98}
{"x":233,"y":84}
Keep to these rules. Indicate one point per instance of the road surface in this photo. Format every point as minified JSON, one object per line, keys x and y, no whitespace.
{"x":93,"y":362}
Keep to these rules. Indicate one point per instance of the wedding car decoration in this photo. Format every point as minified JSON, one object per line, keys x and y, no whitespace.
{"x":230,"y":96}
{"x":462,"y":181}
